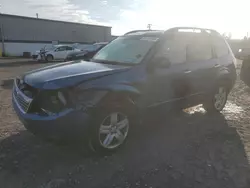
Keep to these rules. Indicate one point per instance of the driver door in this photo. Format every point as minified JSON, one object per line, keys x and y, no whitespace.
{"x":170,"y":84}
{"x":60,"y":52}
{"x":69,"y":50}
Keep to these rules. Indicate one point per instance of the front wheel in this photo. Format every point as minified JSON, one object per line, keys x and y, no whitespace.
{"x":217,"y":101}
{"x":110,"y":130}
{"x":49,"y":58}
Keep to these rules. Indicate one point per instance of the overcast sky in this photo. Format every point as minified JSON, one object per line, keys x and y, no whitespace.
{"x":124,"y":15}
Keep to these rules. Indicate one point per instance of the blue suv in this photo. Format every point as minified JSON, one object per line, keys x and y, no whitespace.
{"x":138,"y":71}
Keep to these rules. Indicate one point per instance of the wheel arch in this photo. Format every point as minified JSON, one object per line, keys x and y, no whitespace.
{"x":226,"y":79}
{"x":124,"y":99}
{"x":50,"y":55}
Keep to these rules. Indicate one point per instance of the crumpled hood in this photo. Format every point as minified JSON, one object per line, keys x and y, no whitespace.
{"x":69,"y":74}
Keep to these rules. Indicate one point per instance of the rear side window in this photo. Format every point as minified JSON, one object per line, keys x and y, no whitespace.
{"x":199,"y":52}
{"x":220,"y":46}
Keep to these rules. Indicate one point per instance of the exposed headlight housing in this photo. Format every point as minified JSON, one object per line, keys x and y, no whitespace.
{"x":61,"y":98}
{"x":51,"y":102}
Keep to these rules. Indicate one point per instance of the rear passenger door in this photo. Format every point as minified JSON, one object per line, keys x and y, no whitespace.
{"x":201,"y":64}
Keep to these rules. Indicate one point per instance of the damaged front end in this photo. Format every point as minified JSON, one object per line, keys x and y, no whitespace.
{"x":51,"y":102}
{"x":85,"y":99}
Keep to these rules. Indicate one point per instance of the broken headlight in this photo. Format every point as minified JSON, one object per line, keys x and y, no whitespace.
{"x":62,"y":98}
{"x":50,"y":102}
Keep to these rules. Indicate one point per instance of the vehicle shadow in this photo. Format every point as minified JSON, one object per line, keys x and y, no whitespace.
{"x":178,"y":150}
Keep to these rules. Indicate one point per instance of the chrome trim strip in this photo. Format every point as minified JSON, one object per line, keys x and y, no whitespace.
{"x":19,"y":92}
{"x":19,"y":107}
{"x":173,"y":100}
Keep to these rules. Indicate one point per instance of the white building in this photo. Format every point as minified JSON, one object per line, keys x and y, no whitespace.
{"x":20,"y":34}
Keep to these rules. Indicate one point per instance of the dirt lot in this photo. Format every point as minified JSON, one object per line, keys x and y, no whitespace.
{"x":191,"y":149}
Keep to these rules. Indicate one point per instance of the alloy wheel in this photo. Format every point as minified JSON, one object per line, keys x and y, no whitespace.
{"x":220,"y":98}
{"x":113,"y":130}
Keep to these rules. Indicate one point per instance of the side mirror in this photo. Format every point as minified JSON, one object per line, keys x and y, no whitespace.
{"x":162,"y":62}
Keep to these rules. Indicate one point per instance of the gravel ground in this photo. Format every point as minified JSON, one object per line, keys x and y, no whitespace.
{"x":13,"y":71}
{"x":189,"y":149}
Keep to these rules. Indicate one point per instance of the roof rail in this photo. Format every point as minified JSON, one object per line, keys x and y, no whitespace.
{"x":205,"y":30}
{"x":135,"y":31}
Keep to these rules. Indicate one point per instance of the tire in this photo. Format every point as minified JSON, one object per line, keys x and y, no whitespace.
{"x":217,"y":100}
{"x":49,"y":58}
{"x":107,"y":136}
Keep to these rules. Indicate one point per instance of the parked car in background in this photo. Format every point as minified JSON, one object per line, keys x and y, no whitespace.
{"x":35,"y":54}
{"x":44,"y":49}
{"x":87,"y":53}
{"x":58,"y":52}
{"x":245,"y":72}
{"x":132,"y":75}
{"x":243,"y":54}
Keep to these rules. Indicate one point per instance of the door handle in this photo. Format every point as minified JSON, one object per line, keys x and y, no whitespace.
{"x":217,"y":65}
{"x":187,"y":71}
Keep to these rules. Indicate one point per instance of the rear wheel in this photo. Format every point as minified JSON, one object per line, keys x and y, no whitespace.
{"x":217,"y":101}
{"x":110,"y":130}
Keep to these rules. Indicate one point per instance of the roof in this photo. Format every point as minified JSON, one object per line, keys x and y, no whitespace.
{"x":145,"y":32}
{"x":59,"y":45}
{"x":172,"y":30}
{"x":58,"y":21}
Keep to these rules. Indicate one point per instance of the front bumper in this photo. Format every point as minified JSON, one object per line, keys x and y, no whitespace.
{"x":70,"y":124}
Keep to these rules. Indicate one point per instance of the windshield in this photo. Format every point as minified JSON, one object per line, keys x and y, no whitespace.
{"x":129,"y":50}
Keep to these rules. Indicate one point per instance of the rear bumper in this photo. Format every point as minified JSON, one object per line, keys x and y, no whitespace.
{"x":69,"y":124}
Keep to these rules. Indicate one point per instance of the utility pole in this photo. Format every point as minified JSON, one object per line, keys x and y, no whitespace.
{"x":1,"y":32}
{"x":149,"y":26}
{"x":37,"y":15}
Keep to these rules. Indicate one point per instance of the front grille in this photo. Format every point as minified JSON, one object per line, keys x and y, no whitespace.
{"x":26,"y":89}
{"x":21,"y":99}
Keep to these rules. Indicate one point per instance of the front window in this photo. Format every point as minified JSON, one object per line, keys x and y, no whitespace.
{"x":69,"y":48}
{"x":126,"y":50}
{"x":61,"y":48}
